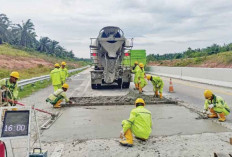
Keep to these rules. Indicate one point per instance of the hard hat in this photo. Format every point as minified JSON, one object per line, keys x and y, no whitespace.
{"x":63,"y":63}
{"x":136,"y":62}
{"x":139,"y":100}
{"x":57,"y":65}
{"x":208,"y":94}
{"x":15,"y":74}
{"x":65,"y":85}
{"x":148,"y":77}
{"x":141,"y":65}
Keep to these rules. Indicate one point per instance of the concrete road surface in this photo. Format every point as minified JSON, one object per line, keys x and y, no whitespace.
{"x":105,"y":121}
{"x":193,"y":93}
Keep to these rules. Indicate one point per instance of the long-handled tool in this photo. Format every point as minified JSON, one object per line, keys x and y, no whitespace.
{"x":48,"y":123}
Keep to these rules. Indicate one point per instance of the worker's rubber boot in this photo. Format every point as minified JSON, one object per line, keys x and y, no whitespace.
{"x":136,"y":86}
{"x":213,"y":114}
{"x":57,"y":105}
{"x":129,"y":139}
{"x":156,"y":94}
{"x":140,"y":89}
{"x":161,"y":95}
{"x":222,"y":117}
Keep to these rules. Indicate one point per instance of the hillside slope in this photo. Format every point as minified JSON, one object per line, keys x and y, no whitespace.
{"x":220,"y":60}
{"x":29,"y":64}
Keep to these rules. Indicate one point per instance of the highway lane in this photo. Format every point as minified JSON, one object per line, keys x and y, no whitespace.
{"x":192,"y":92}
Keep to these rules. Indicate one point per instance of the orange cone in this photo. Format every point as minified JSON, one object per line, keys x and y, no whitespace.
{"x":171,"y":89}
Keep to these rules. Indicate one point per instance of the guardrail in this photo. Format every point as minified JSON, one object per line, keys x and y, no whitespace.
{"x":213,"y":76}
{"x":44,"y":77}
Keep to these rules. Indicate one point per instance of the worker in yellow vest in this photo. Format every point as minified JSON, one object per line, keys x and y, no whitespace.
{"x":139,"y":124}
{"x":158,"y":85}
{"x":141,"y":80}
{"x":135,"y":71}
{"x":55,"y":76}
{"x":63,"y":72}
{"x":9,"y":88}
{"x":57,"y":97}
{"x":216,"y":105}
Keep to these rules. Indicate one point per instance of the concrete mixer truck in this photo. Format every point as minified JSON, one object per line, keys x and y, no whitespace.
{"x":107,"y":52}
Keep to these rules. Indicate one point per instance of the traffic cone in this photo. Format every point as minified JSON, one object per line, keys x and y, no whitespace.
{"x":171,"y":89}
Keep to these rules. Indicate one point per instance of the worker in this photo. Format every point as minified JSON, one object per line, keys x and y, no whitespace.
{"x":55,"y":76}
{"x":141,"y":80}
{"x":217,"y":106}
{"x":63,"y":72}
{"x":57,"y":97}
{"x":9,"y":88}
{"x":158,"y":85}
{"x":135,"y":71}
{"x":139,"y":123}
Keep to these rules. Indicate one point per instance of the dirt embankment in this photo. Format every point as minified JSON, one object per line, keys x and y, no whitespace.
{"x":18,"y":63}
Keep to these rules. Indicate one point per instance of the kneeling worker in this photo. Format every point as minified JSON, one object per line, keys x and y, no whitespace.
{"x":217,"y":106}
{"x":139,"y":123}
{"x":158,"y":85}
{"x":57,"y":97}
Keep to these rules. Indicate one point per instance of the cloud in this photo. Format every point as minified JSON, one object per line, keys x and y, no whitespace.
{"x":159,"y":26}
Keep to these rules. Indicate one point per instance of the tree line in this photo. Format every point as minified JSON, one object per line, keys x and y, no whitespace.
{"x":191,"y":53}
{"x":24,"y":36}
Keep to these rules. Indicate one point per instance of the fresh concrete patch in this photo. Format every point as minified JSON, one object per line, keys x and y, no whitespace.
{"x":79,"y":123}
{"x":127,"y":99}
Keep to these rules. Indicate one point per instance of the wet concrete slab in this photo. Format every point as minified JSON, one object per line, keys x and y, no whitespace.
{"x":100,"y":122}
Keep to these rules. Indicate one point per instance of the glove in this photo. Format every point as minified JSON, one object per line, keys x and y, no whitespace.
{"x":211,"y":106}
{"x":121,"y":134}
{"x":204,"y":111}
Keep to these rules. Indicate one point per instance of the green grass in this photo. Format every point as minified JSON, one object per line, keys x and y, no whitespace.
{"x":12,"y":52}
{"x":224,"y":58}
{"x":31,"y":88}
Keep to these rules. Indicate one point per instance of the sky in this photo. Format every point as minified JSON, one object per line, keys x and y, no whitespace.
{"x":159,"y":26}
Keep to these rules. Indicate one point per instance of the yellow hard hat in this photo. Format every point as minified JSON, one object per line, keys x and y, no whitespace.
{"x":141,"y":65}
{"x":148,"y":77}
{"x":65,"y":85}
{"x":136,"y":62}
{"x":15,"y":74}
{"x":208,"y":94}
{"x":140,"y":100}
{"x":63,"y":63}
{"x":57,"y":65}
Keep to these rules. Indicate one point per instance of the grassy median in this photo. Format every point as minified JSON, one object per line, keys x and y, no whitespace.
{"x":31,"y":88}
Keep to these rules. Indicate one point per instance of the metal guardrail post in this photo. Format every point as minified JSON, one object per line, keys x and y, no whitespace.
{"x":44,"y":77}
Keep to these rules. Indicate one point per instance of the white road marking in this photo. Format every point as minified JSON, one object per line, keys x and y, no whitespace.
{"x":58,"y":150}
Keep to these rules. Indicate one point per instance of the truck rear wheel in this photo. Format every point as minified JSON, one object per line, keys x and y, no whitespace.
{"x":94,"y":86}
{"x":126,"y":85}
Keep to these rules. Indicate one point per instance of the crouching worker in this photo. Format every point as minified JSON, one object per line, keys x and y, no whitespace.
{"x":139,"y":123}
{"x":158,"y":85}
{"x":217,"y":106}
{"x":57,"y":97}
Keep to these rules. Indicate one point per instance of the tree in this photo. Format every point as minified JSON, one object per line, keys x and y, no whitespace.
{"x":53,"y":46}
{"x":4,"y":25}
{"x":26,"y":34}
{"x":44,"y":44}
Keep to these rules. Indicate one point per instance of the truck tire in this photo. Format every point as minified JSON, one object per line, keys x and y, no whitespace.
{"x":98,"y":86}
{"x":119,"y":83}
{"x":126,"y":85}
{"x":94,"y":86}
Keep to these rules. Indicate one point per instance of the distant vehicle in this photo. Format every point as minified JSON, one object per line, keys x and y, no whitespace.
{"x":107,"y":53}
{"x":135,"y":55}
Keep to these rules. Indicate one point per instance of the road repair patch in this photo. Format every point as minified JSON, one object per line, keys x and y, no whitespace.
{"x":128,"y":99}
